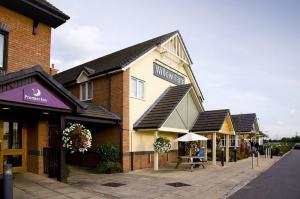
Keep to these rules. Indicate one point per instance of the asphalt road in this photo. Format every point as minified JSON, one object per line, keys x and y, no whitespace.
{"x":281,"y":181}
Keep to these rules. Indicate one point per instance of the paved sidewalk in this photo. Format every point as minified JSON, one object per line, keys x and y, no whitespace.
{"x":211,"y":182}
{"x":29,"y":186}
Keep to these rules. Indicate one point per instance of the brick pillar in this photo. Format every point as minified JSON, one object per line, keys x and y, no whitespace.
{"x":119,"y":96}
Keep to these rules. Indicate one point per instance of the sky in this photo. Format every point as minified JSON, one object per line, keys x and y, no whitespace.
{"x":246,"y":54}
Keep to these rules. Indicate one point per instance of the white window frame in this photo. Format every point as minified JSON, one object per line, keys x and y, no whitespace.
{"x":232,"y":141}
{"x":86,"y":90}
{"x":140,"y":96}
{"x":3,"y":53}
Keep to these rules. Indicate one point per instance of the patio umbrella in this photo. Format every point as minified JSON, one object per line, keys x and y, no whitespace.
{"x":190,"y":137}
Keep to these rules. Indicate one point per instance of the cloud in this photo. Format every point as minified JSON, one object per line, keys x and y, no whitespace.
{"x":292,"y":111}
{"x":76,"y":44}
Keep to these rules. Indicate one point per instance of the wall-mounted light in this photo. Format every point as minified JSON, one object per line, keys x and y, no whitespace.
{"x":46,"y":113}
{"x":5,"y":108}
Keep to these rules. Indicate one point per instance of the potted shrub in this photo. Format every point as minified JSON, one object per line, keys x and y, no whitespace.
{"x":109,"y":156}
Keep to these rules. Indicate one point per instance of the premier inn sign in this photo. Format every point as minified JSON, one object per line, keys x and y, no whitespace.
{"x":166,"y":74}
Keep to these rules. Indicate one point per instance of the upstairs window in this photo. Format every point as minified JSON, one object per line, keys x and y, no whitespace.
{"x":3,"y":49}
{"x":86,"y":91}
{"x":137,"y":88}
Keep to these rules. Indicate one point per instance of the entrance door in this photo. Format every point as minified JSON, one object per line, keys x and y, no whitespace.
{"x":51,"y":154}
{"x":13,"y":145}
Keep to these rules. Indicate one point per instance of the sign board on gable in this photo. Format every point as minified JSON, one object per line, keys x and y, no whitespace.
{"x":166,"y":74}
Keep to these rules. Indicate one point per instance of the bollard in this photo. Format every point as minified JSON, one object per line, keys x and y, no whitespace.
{"x":8,"y":182}
{"x":222,"y":157}
{"x":257,"y":159}
{"x":271,"y":153}
{"x":252,"y":159}
{"x":1,"y":186}
{"x":235,"y":154}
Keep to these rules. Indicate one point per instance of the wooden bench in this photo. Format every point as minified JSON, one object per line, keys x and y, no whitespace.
{"x":190,"y":161}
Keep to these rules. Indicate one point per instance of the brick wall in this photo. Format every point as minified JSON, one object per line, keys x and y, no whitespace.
{"x":143,"y":160}
{"x":24,"y":48}
{"x":112,"y":92}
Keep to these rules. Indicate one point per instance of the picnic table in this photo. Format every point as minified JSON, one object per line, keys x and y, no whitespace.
{"x":189,"y":160}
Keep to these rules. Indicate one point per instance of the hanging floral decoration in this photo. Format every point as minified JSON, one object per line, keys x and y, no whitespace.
{"x":77,"y":138}
{"x":162,"y":145}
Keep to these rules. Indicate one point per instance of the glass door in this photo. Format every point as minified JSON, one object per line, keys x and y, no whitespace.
{"x":13,"y":145}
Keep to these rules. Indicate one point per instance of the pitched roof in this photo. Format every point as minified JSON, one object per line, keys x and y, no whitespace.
{"x":39,"y":10}
{"x":37,"y":70}
{"x":113,"y":61}
{"x":210,"y":120}
{"x":159,"y":112}
{"x":243,"y":122}
{"x":98,"y":111}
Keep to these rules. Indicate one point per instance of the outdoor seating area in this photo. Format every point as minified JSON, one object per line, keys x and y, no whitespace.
{"x":194,"y":152}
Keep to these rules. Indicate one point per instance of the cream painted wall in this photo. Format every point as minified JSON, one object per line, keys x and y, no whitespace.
{"x":143,"y":140}
{"x":227,"y":127}
{"x":154,"y":87}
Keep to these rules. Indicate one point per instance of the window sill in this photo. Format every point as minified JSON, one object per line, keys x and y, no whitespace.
{"x":142,"y":99}
{"x":86,"y":100}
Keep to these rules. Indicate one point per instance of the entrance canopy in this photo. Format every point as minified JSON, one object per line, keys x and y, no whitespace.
{"x":33,"y":89}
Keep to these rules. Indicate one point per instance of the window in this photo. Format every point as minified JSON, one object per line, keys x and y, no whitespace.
{"x":12,"y":135}
{"x":2,"y":49}
{"x":137,"y":88}
{"x":86,"y":91}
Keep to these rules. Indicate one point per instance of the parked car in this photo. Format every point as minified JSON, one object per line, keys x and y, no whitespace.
{"x":297,"y":146}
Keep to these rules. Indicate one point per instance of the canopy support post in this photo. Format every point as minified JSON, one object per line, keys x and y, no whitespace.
{"x":155,"y":153}
{"x":227,"y":148}
{"x":214,"y":149}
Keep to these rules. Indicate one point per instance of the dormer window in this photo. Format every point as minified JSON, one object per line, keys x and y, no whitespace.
{"x":86,"y":86}
{"x":3,"y":49}
{"x":86,"y":91}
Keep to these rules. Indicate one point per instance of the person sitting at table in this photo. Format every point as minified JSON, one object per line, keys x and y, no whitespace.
{"x":200,"y":154}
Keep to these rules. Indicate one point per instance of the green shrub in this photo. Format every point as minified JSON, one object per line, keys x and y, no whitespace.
{"x":108,"y":152}
{"x":109,"y":167}
{"x":275,"y":151}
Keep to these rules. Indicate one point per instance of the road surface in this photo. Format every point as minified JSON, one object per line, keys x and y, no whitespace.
{"x":281,"y":181}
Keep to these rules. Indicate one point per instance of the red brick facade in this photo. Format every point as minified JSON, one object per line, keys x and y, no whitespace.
{"x":24,"y":48}
{"x":145,"y":160}
{"x":112,"y":92}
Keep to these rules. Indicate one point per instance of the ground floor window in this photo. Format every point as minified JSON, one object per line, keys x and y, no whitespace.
{"x":12,"y":135}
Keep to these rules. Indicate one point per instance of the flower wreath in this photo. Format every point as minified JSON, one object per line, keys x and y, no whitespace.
{"x":77,"y":138}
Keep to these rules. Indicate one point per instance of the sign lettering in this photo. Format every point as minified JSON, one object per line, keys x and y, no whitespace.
{"x":166,"y":74}
{"x":34,"y":94}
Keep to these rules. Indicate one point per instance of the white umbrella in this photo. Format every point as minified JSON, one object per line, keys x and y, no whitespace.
{"x":190,"y":137}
